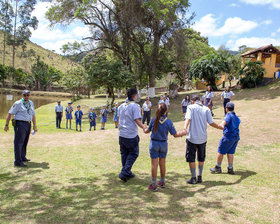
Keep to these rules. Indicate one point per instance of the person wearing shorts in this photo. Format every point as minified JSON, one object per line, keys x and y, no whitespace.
{"x":68,"y":114}
{"x":196,"y":119}
{"x":229,"y":141}
{"x":104,"y":114}
{"x":160,"y":127}
{"x":79,"y":116}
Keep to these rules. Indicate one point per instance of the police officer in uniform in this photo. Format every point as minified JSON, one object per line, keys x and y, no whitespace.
{"x":129,"y":118}
{"x":58,"y":113}
{"x":24,"y":112}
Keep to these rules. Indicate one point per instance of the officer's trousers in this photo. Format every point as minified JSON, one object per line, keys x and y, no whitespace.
{"x":58,"y":119}
{"x":129,"y":148}
{"x":147,"y":115}
{"x":22,"y":132}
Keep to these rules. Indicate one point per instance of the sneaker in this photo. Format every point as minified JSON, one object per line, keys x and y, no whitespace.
{"x":192,"y":180}
{"x":155,"y":188}
{"x":230,"y":171}
{"x":161,"y":184}
{"x":216,"y":169}
{"x":199,"y":179}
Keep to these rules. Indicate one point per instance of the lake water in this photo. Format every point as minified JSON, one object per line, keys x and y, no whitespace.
{"x":5,"y":103}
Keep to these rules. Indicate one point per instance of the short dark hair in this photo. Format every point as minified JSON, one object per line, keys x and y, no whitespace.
{"x":131,"y":93}
{"x":195,"y":97}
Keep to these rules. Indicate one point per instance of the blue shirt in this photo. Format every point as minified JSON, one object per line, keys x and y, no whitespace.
{"x":23,"y":112}
{"x":105,"y":113}
{"x":116,"y":111}
{"x":92,"y":116}
{"x":231,"y":130}
{"x":78,"y":114}
{"x":58,"y":108}
{"x":128,"y":113}
{"x":164,"y":126}
{"x":68,"y":110}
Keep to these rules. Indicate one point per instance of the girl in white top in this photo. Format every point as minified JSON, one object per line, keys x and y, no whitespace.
{"x":208,"y":98}
{"x":226,"y":96}
{"x":185,"y":103}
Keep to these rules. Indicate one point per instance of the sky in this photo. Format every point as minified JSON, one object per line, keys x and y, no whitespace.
{"x":231,"y":23}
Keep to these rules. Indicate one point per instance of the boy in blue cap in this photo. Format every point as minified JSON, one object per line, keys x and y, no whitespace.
{"x":68,"y":114}
{"x":92,"y":119}
{"x":104,"y":114}
{"x":229,"y":141}
{"x":79,"y":116}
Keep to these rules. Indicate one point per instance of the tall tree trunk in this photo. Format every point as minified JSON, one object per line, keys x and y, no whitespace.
{"x":4,"y":47}
{"x":15,"y":30}
{"x":153,"y":73}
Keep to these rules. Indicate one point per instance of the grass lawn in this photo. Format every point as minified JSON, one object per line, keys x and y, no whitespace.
{"x":73,"y":177}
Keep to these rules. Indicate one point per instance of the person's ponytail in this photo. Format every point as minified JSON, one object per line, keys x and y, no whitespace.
{"x":162,"y":108}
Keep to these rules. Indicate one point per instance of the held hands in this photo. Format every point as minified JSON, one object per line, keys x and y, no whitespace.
{"x":184,"y":132}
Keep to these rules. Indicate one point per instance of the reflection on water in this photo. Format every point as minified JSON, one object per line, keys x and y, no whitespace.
{"x":38,"y":101}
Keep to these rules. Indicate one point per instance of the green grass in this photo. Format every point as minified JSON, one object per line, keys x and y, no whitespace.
{"x":73,"y":177}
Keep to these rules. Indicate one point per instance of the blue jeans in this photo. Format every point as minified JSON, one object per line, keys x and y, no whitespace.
{"x":129,"y":148}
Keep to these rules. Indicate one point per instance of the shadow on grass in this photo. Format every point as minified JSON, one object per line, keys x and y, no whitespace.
{"x":106,"y":199}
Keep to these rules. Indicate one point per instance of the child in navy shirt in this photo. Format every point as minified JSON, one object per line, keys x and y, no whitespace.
{"x":92,"y":119}
{"x":79,"y":116}
{"x":104,"y":114}
{"x":230,"y":139}
{"x":160,"y":127}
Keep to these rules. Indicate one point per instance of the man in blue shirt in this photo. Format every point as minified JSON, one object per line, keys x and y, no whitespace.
{"x":129,"y":119}
{"x":58,"y":113}
{"x":229,"y":141}
{"x":24,"y":112}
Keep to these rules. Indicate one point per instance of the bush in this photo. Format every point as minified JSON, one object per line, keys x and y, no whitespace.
{"x":252,"y":74}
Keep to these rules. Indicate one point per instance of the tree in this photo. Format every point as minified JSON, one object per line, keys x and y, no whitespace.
{"x":23,"y":21}
{"x":208,"y":67}
{"x":108,"y":72}
{"x":43,"y":76}
{"x":3,"y":74}
{"x":75,"y":81}
{"x":252,"y":74}
{"x":121,"y":25}
{"x":6,"y":26}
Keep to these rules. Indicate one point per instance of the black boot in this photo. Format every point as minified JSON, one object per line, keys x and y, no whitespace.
{"x":216,"y":169}
{"x":230,"y":171}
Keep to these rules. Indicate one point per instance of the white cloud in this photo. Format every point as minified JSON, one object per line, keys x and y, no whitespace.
{"x":267,"y":22}
{"x":274,"y":3}
{"x":207,"y":25}
{"x":233,"y":5}
{"x":54,"y":38}
{"x":278,"y":30}
{"x":253,"y":42}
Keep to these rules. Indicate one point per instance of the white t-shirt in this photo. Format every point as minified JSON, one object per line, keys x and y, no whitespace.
{"x":209,"y":95}
{"x":227,"y":95}
{"x":199,"y":115}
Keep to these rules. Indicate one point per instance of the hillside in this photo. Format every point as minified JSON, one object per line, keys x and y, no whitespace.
{"x":49,"y":57}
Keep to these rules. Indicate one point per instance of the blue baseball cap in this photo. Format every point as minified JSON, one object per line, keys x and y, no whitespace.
{"x":230,"y":105}
{"x":92,"y":108}
{"x":26,"y":91}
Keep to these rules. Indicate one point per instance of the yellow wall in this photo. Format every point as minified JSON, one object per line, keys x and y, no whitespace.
{"x":268,"y":63}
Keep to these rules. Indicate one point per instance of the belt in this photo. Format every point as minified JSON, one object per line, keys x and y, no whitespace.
{"x":29,"y":122}
{"x":158,"y":140}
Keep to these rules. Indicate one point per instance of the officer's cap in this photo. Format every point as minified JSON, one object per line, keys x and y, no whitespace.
{"x":78,"y":106}
{"x":116,"y":103}
{"x":58,"y":101}
{"x":230,"y":106}
{"x":104,"y":105}
{"x":92,"y":108}
{"x":147,"y":98}
{"x":26,"y":91}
